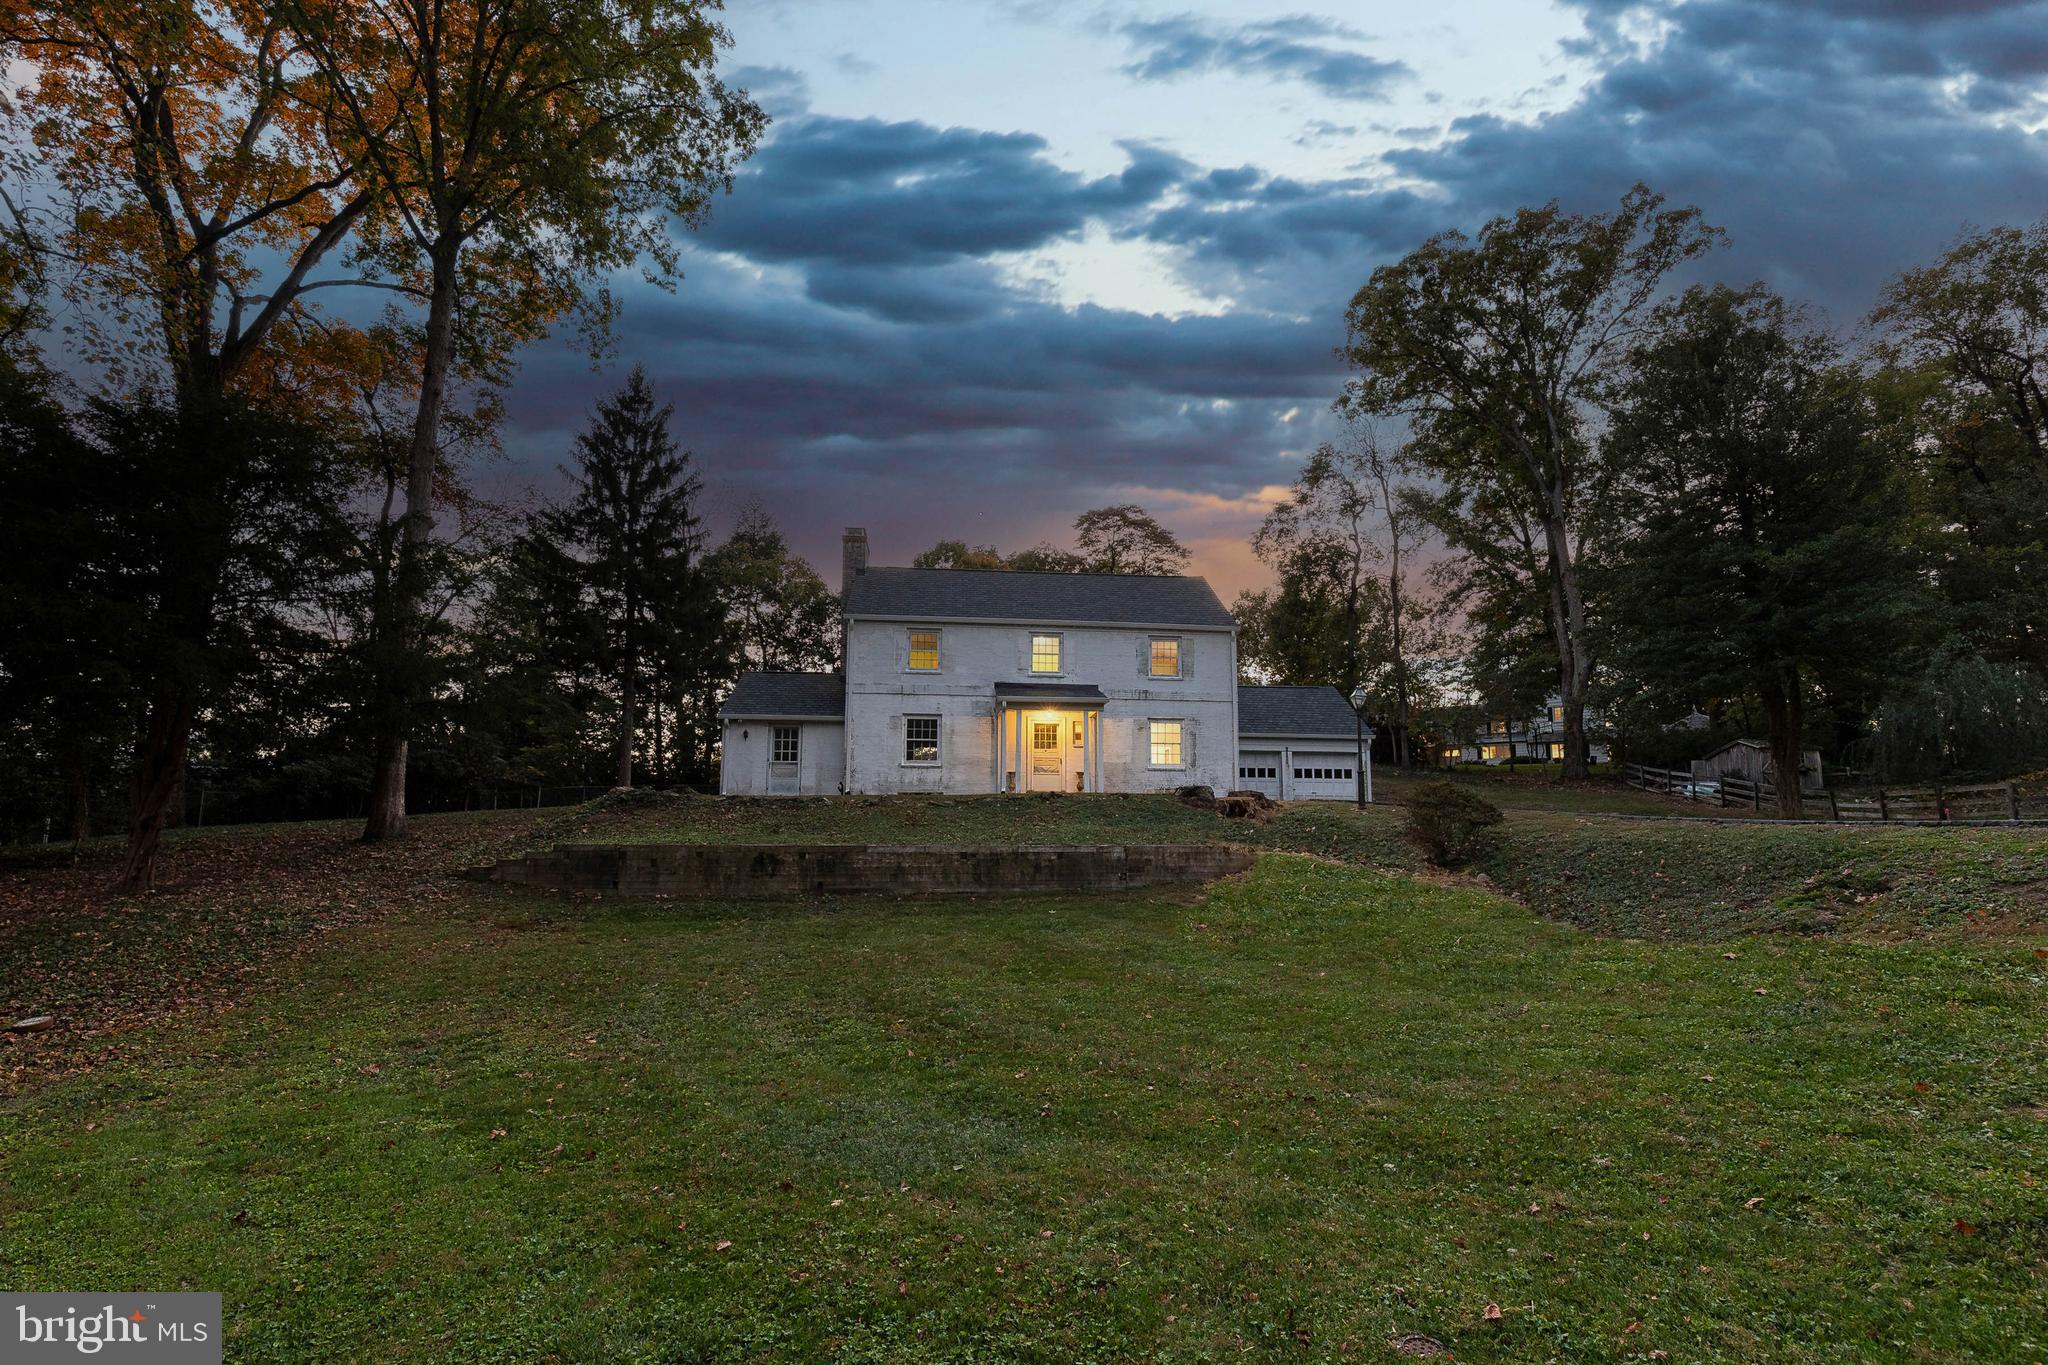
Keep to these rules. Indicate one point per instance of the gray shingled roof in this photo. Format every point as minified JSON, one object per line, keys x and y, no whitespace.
{"x":787,"y":694}
{"x":1313,"y":711}
{"x":988,"y":595}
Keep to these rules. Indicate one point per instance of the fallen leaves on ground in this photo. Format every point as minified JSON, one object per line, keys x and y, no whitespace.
{"x":229,"y":909}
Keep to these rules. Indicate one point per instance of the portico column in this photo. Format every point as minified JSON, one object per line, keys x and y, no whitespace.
{"x":1021,"y":785}
{"x":1096,"y":755}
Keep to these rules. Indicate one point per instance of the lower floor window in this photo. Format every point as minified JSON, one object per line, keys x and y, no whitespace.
{"x":1166,"y":744}
{"x":783,"y":747}
{"x":1257,"y":772}
{"x":1324,"y":774}
{"x":920,"y":739}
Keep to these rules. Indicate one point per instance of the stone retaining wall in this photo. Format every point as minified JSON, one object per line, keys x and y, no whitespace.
{"x":732,"y":871}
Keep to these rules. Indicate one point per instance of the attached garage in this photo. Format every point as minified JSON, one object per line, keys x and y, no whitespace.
{"x":1297,"y":743}
{"x":1258,"y":770}
{"x":1321,"y":775}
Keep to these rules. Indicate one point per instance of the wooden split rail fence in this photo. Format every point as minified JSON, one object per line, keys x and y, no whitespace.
{"x":1985,"y":801}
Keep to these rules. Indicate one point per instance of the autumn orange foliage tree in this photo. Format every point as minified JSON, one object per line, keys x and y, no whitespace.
{"x":191,"y":194}
{"x":522,"y":152}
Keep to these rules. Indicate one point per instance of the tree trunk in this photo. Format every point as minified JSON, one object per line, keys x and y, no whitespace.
{"x":626,"y":700}
{"x":1787,"y":713}
{"x":1568,"y":629}
{"x":386,"y":816}
{"x":402,"y":664}
{"x":78,"y":816}
{"x":1400,"y":663}
{"x":158,"y":777}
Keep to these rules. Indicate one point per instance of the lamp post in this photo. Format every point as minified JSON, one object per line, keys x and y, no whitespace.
{"x":1365,"y":737}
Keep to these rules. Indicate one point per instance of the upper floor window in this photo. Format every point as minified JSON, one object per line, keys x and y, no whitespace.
{"x":1557,"y":713}
{"x":924,"y":651}
{"x":1045,"y":654}
{"x":1166,"y":744}
{"x":1165,"y":657}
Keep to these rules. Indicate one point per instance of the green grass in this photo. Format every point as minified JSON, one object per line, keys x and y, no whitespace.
{"x":1633,"y":878}
{"x":1707,"y":881}
{"x":1319,"y":1107}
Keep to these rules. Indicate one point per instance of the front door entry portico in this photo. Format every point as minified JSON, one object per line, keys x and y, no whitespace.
{"x":1048,"y":764}
{"x":1048,"y":738}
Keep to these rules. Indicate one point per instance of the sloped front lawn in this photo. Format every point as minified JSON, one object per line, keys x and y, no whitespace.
{"x":1317,"y":1111}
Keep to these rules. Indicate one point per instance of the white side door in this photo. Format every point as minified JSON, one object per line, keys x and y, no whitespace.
{"x":785,"y":755}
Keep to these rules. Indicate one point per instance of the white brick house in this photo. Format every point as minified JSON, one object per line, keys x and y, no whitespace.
{"x":966,"y":681}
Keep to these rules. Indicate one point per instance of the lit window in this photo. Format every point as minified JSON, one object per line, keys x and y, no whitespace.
{"x":1557,"y":713}
{"x":1166,"y":744}
{"x":783,"y":748}
{"x":1045,"y":654}
{"x":920,"y":739}
{"x":924,"y":651}
{"x":1166,"y":658}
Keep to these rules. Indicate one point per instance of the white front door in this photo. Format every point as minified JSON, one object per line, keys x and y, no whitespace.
{"x":1048,"y":761}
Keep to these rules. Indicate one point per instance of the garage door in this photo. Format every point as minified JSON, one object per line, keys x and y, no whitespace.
{"x":1259,"y":771}
{"x":1323,"y":776}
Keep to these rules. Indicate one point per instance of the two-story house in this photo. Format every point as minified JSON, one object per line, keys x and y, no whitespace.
{"x":959,"y":680}
{"x":1537,"y":739}
{"x":965,"y":681}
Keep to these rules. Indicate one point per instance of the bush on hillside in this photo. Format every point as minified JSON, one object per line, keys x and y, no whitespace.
{"x":1450,"y":824}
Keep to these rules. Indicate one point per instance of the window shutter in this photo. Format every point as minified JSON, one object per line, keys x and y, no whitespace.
{"x":1187,"y":744}
{"x":1144,"y":657}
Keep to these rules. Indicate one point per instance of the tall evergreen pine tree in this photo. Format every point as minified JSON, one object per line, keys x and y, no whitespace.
{"x":629,"y":538}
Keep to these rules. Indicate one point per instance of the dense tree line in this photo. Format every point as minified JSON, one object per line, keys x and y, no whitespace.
{"x":1120,"y":539}
{"x":583,"y":643}
{"x":192,"y":179}
{"x":1663,"y":503}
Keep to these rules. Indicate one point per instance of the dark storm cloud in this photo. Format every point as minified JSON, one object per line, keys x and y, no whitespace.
{"x":848,"y":346}
{"x":865,"y":192}
{"x":1827,"y":138}
{"x":1288,"y":49}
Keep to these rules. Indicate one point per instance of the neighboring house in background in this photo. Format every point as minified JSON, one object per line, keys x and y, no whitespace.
{"x":962,"y":681}
{"x":1750,"y":760}
{"x":1297,"y":743}
{"x":1537,"y":740}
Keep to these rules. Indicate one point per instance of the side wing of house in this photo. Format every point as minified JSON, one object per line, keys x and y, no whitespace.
{"x":783,"y":734}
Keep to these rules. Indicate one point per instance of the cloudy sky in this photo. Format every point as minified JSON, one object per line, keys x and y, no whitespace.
{"x":999,"y":262}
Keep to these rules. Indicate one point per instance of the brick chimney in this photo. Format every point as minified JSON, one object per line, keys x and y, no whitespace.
{"x":853,"y":554}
